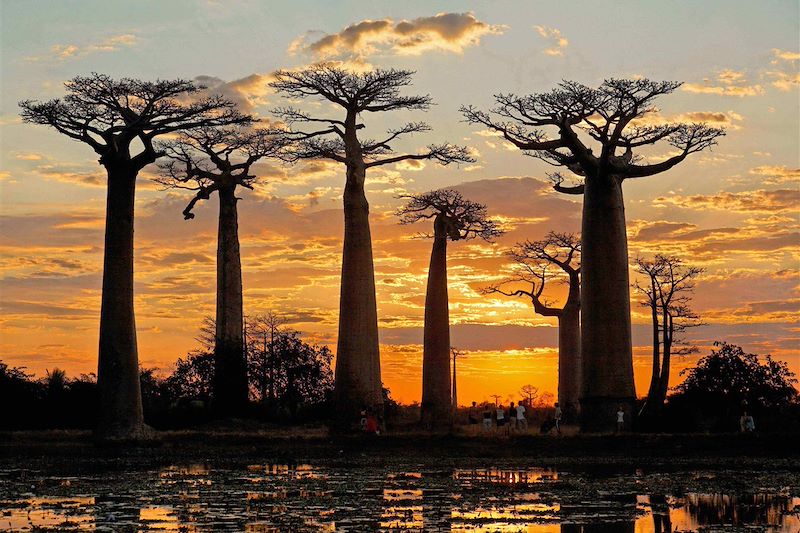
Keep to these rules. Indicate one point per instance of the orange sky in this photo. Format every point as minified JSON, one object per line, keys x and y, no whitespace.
{"x":733,"y":211}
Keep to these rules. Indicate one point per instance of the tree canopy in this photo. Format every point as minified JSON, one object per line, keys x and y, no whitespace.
{"x":613,"y":116}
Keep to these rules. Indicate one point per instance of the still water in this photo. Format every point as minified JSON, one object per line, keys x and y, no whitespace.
{"x":303,"y":497}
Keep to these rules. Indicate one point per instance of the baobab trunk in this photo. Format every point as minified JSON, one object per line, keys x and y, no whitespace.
{"x":436,"y":399}
{"x":663,"y":382}
{"x":569,"y":361}
{"x":118,"y":362}
{"x":650,"y":403}
{"x":230,"y":362}
{"x":358,"y":371}
{"x":607,"y":355}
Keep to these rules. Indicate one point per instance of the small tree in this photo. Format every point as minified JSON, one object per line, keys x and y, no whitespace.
{"x":454,"y":218}
{"x":358,"y":376}
{"x":534,"y":261}
{"x":667,"y":293}
{"x":588,"y":126}
{"x":209,"y":160}
{"x":112,"y":116}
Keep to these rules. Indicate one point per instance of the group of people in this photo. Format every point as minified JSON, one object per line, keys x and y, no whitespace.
{"x":508,"y":420}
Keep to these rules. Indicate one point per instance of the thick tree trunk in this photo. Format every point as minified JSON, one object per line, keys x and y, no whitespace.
{"x":569,"y":361}
{"x":663,"y":381}
{"x":436,"y":399}
{"x":607,"y":355}
{"x":118,"y":362}
{"x":454,"y":387}
{"x":358,"y":371}
{"x":649,"y":406}
{"x":230,"y":361}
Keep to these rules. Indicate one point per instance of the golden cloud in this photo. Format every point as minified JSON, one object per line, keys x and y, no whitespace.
{"x":777,"y":174}
{"x":728,"y":83}
{"x":556,"y":42}
{"x":760,"y":201}
{"x":446,"y":32}
{"x":61,"y":52}
{"x":786,"y":55}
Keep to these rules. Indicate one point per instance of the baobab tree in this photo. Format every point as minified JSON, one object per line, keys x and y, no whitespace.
{"x":209,"y":160}
{"x":454,"y":218}
{"x":534,"y":261}
{"x":588,"y":126}
{"x":667,"y":291}
{"x":455,"y":353}
{"x":116,"y":118}
{"x":358,"y":376}
{"x":529,"y":392}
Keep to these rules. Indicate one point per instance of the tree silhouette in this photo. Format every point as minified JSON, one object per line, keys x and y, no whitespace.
{"x":263,"y":332}
{"x":534,"y":261}
{"x":728,"y":381}
{"x":612,"y":117}
{"x":529,"y":392}
{"x":455,"y":353}
{"x":454,"y":218}
{"x":209,"y":160}
{"x":113,"y":117}
{"x":358,"y":377}
{"x":667,"y":293}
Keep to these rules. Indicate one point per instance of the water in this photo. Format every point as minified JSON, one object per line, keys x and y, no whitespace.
{"x":302,"y":497}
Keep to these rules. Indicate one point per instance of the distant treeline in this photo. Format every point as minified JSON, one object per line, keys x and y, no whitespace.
{"x":291,"y":382}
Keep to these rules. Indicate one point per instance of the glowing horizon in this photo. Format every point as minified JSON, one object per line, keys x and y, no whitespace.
{"x":733,"y":210}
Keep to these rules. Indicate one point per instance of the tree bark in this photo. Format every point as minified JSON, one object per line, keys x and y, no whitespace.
{"x":649,"y":406}
{"x":230,"y":361}
{"x":121,"y":415}
{"x":607,"y":354}
{"x":358,"y":372}
{"x":663,"y":382}
{"x":436,"y":399}
{"x":569,"y":361}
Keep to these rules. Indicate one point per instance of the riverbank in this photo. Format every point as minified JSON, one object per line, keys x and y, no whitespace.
{"x":298,"y":445}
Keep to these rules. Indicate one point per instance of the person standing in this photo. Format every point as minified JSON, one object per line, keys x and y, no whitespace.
{"x":487,"y":418}
{"x":511,"y":416}
{"x":522,"y":422}
{"x":620,"y":419}
{"x":500,"y":417}
{"x":472,"y":416}
{"x":558,"y":416}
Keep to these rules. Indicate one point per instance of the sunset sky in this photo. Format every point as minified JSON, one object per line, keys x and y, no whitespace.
{"x":732,"y":210}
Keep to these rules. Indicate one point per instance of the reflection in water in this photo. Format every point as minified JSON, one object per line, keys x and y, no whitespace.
{"x":302,"y":497}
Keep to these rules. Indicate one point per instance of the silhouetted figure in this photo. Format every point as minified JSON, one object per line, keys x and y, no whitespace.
{"x":114,"y":117}
{"x":472,"y":417}
{"x":500,"y":417}
{"x":606,"y":116}
{"x":557,"y":416}
{"x":746,"y":423}
{"x":358,"y":375}
{"x":487,"y":418}
{"x":620,"y":419}
{"x":522,"y":422}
